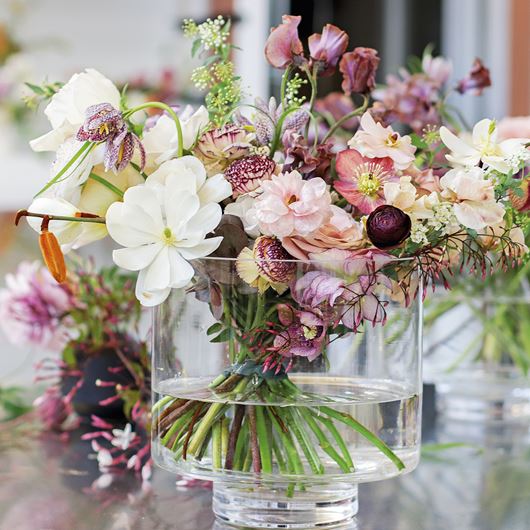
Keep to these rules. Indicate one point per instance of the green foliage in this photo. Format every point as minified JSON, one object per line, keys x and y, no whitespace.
{"x":12,"y":403}
{"x":41,"y":93}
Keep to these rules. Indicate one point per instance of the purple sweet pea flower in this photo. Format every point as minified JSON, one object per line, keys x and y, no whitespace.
{"x":102,"y":122}
{"x":326,"y":48}
{"x":283,"y":46}
{"x":318,"y":287}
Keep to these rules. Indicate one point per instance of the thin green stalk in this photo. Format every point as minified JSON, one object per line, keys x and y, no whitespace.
{"x":294,"y":462}
{"x":161,"y":402}
{"x":217,"y":455}
{"x":250,"y":311}
{"x":170,"y":111}
{"x":330,"y":426}
{"x":259,"y":311}
{"x":363,"y":431}
{"x":357,"y":112}
{"x":86,"y":147}
{"x":247,"y":463}
{"x":107,"y":184}
{"x":323,"y":441}
{"x":304,"y":441}
{"x":204,"y":425}
{"x":225,"y":434}
{"x":241,"y":447}
{"x":265,"y":448}
{"x":179,"y":423}
{"x":25,"y":213}
{"x":285,"y":79}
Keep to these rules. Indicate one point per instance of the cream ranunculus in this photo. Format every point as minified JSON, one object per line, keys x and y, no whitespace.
{"x":192,"y":178}
{"x":161,"y":141}
{"x":401,"y":194}
{"x":162,"y":226}
{"x":473,"y":197}
{"x":66,"y":110}
{"x":483,"y":146}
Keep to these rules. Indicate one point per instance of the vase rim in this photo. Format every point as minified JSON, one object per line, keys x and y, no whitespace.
{"x":300,"y":261}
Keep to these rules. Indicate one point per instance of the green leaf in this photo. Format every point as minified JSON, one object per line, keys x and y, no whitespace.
{"x":36,"y":89}
{"x":418,"y":141}
{"x":224,"y":336}
{"x":195,"y":47}
{"x":214,"y":328}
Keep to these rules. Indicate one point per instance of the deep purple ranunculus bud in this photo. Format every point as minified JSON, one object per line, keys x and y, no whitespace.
{"x":476,"y":81}
{"x":387,"y":227}
{"x":358,"y":69}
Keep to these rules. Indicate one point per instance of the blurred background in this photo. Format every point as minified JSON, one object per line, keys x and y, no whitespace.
{"x":140,"y":44}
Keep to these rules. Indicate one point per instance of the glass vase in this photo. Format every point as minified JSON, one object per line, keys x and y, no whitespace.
{"x":255,"y":391}
{"x":477,"y":353}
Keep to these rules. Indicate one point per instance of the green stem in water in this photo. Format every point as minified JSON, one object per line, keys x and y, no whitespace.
{"x":338,"y":439}
{"x":363,"y":431}
{"x":217,"y":457}
{"x":204,"y":426}
{"x":170,"y":111}
{"x":304,"y":441}
{"x":265,"y":448}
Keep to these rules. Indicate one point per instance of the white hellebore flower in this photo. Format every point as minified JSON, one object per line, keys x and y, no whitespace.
{"x":161,"y":141}
{"x":162,"y":224}
{"x":401,"y":194}
{"x":66,"y":110}
{"x":473,"y":197}
{"x":483,"y":146}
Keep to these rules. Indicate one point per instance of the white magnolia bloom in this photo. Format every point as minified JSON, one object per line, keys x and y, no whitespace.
{"x":162,"y":224}
{"x":122,"y":438}
{"x":192,"y":178}
{"x":243,"y":207}
{"x":161,"y":141}
{"x":483,"y":146}
{"x":473,"y":197}
{"x":66,"y":110}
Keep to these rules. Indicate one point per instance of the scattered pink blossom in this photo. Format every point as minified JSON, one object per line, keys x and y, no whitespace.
{"x":326,"y":49}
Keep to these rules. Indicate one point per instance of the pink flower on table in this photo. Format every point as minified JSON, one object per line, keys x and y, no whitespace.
{"x":341,"y":231}
{"x":284,"y":47}
{"x":375,"y":141}
{"x":290,"y":205}
{"x":32,"y":307}
{"x":362,"y":179}
{"x":358,"y":70}
{"x":326,"y":49}
{"x":473,"y":196}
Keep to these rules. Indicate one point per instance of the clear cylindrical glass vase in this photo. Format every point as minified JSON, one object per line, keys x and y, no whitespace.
{"x":281,"y":395}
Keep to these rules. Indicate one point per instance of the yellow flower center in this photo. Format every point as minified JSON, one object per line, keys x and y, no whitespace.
{"x":392,"y":140}
{"x":169,"y":238}
{"x":291,"y":199}
{"x":310,"y":332}
{"x":104,"y":128}
{"x":368,"y":184}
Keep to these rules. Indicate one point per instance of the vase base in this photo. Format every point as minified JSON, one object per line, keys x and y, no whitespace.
{"x":268,"y":506}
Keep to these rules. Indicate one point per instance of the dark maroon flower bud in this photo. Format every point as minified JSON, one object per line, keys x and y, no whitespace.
{"x":284,"y":47}
{"x":326,"y":48}
{"x":247,"y":174}
{"x":358,"y":69}
{"x":476,"y":81}
{"x":387,"y":227}
{"x":102,"y":121}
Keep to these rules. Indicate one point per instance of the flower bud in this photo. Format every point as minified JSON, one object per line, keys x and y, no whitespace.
{"x":245,"y":175}
{"x":270,"y":257}
{"x":358,"y":69}
{"x":476,"y":81}
{"x":52,"y":255}
{"x":388,"y":226}
{"x":521,"y":201}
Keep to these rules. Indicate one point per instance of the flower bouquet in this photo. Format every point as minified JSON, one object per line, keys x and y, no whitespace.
{"x":287,"y":267}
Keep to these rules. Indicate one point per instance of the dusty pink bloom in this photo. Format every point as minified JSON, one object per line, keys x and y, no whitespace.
{"x":290,"y":205}
{"x":301,"y":156}
{"x":326,"y":48}
{"x":53,"y":409}
{"x":218,"y":148}
{"x":341,"y":231}
{"x":476,"y":81}
{"x":425,"y":180}
{"x":438,"y":69}
{"x":358,"y":70}
{"x":361,"y":179}
{"x":375,"y":141}
{"x":337,"y":105}
{"x":303,"y":334}
{"x":316,"y":288}
{"x":514,"y":127}
{"x":246,"y":174}
{"x":32,"y":307}
{"x":354,"y":263}
{"x":283,"y":47}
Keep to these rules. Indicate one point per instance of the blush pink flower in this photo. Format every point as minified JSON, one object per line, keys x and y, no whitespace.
{"x":362,"y":180}
{"x":290,"y":205}
{"x":32,"y":307}
{"x":358,"y":70}
{"x":283,"y":46}
{"x":375,"y":141}
{"x":341,"y":231}
{"x":326,"y":48}
{"x":514,"y":127}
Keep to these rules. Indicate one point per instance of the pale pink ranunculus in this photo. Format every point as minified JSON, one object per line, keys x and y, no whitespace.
{"x":514,"y":127}
{"x":341,"y":231}
{"x":32,"y":307}
{"x":291,"y":206}
{"x":375,"y":141}
{"x":362,"y":179}
{"x":473,"y":196}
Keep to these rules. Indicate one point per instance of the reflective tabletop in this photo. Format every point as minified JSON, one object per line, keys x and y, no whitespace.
{"x":479,"y":481}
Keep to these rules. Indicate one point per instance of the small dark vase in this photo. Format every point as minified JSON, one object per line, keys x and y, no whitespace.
{"x":95,"y":366}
